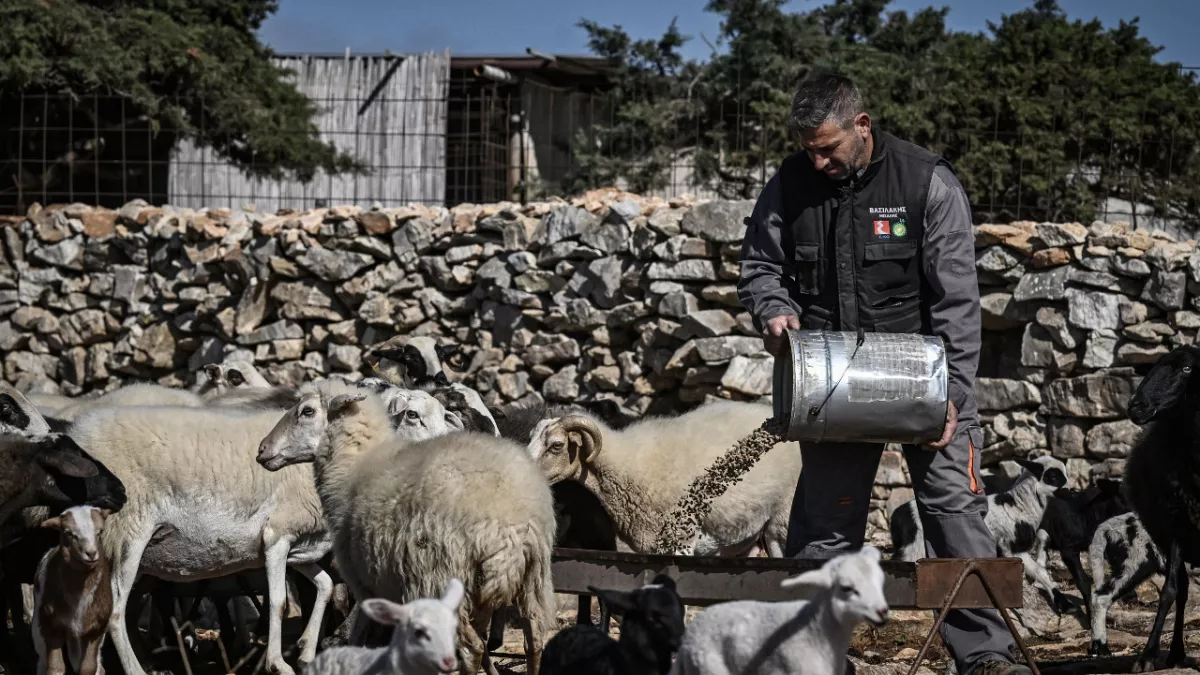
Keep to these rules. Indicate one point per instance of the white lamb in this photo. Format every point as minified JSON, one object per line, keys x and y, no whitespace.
{"x":410,"y":515}
{"x":423,"y":639}
{"x":199,"y":507}
{"x":797,"y":636}
{"x":640,"y":472}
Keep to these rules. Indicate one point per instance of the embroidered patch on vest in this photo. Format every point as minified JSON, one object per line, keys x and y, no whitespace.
{"x":890,"y":221}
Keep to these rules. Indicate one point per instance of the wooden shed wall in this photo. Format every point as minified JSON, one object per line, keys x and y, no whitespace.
{"x":401,"y":136}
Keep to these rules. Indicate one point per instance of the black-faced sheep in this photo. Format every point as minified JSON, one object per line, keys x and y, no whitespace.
{"x":73,"y":595}
{"x":200,"y":507}
{"x":418,"y":361}
{"x":641,"y":472}
{"x":798,"y":636}
{"x":1162,"y":482}
{"x":652,"y":628}
{"x":410,"y":515}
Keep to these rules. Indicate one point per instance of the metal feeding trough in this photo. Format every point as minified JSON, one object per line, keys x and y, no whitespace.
{"x":869,"y":387}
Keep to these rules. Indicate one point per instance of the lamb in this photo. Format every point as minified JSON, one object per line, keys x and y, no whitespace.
{"x":409,"y":515}
{"x":652,"y":629}
{"x":1162,"y":483}
{"x":1070,"y":523}
{"x":199,"y":508}
{"x":797,"y":636}
{"x":140,"y":394}
{"x":71,"y":611}
{"x":1122,"y":542}
{"x":469,"y":406}
{"x":1013,"y":517}
{"x":423,"y":639}
{"x":640,"y":472}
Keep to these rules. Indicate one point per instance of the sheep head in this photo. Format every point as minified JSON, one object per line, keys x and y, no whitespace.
{"x":18,"y":415}
{"x":52,"y":470}
{"x":417,"y":415}
{"x":854,"y":582}
{"x":1169,"y":387}
{"x":566,"y":447}
{"x":651,"y":615}
{"x":234,"y":375}
{"x":424,"y":633}
{"x":303,"y":433}
{"x":1047,"y":470}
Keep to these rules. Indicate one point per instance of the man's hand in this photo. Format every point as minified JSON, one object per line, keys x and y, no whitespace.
{"x":948,"y":432}
{"x":773,"y":333}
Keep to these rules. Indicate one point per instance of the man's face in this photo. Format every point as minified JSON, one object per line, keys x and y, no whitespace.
{"x":837,"y":151}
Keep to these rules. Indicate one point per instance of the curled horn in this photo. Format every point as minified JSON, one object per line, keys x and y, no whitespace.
{"x":588,"y":432}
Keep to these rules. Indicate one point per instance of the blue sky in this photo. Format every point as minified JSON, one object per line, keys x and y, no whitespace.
{"x":508,"y":27}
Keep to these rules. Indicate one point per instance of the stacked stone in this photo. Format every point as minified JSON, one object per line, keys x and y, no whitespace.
{"x":607,"y":295}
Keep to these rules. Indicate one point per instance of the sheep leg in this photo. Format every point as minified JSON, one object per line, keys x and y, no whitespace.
{"x":125,"y":565}
{"x":1123,"y":582}
{"x":1145,"y":662}
{"x":312,"y":630}
{"x":91,"y":656}
{"x":476,"y":645}
{"x":533,"y":647}
{"x":1041,"y":578}
{"x":496,"y":632}
{"x":1178,"y":654}
{"x":1070,"y":557}
{"x":276,"y":564}
{"x":51,"y":659}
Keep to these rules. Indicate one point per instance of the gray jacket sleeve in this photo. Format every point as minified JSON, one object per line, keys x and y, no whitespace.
{"x":762,"y":285}
{"x":949,"y":266}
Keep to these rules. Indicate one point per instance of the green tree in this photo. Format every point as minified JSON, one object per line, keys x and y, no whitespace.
{"x":186,"y":68}
{"x":1043,"y":116}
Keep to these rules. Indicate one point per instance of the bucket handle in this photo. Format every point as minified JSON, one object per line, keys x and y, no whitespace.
{"x":816,"y":409}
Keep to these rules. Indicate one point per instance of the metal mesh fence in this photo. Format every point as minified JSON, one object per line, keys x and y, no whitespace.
{"x":470,"y":139}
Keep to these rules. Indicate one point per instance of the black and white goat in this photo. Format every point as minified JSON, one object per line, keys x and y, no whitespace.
{"x":1125,"y":545}
{"x":1013,"y":518}
{"x":1071,"y":521}
{"x":1162,"y":483}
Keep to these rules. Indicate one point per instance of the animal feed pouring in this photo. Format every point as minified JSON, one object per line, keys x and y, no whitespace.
{"x":679,"y":532}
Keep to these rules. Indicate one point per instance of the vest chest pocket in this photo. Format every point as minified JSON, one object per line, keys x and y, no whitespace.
{"x":808,"y":272}
{"x":891,"y":271}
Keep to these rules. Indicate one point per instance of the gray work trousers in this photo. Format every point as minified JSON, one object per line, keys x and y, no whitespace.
{"x":829,"y":517}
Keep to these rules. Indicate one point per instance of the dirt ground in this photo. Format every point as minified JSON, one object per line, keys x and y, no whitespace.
{"x":1058,"y":643}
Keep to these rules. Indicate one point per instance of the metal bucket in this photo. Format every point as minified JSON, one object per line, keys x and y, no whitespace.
{"x":894,"y":390}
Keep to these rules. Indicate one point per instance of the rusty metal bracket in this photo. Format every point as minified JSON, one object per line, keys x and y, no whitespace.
{"x":981,"y":569}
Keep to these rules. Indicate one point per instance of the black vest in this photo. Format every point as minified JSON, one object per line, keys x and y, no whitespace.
{"x":856,"y":244}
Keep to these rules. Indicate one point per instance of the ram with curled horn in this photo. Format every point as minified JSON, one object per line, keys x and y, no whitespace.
{"x":646,"y":468}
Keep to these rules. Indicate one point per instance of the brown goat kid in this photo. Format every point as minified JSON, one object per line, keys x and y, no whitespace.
{"x":72,"y":611}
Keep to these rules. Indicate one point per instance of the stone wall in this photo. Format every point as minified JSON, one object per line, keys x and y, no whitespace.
{"x":608,"y":295}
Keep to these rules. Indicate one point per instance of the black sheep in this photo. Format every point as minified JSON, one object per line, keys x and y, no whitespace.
{"x":1162,"y":483}
{"x":651,"y":631}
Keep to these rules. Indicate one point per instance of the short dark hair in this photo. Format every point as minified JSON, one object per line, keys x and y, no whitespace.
{"x":822,"y":97}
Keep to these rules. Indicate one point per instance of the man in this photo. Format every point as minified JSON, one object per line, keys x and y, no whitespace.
{"x":864,"y":231}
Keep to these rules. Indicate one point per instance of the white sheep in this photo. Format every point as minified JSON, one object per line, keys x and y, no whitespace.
{"x":199,"y":507}
{"x":798,"y":636}
{"x":641,"y":471}
{"x":409,"y":515}
{"x":423,"y":639}
{"x":138,"y":394}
